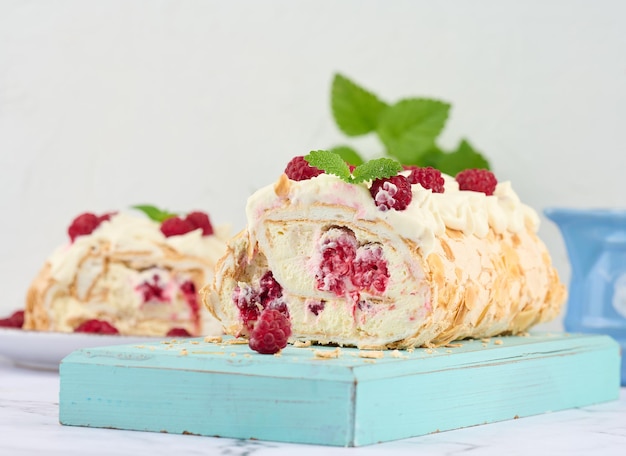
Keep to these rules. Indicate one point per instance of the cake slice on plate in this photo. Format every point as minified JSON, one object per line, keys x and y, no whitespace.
{"x":129,"y":274}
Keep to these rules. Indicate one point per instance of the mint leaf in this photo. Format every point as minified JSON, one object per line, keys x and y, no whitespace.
{"x":464,"y":157}
{"x":348,"y":154}
{"x":155,"y":213}
{"x":329,"y":162}
{"x":376,"y":169}
{"x":409,"y":128}
{"x":356,"y":110}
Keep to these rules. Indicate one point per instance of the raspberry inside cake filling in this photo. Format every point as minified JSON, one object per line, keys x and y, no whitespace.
{"x":347,"y":267}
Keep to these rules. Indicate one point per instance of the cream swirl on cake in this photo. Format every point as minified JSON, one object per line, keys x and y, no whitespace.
{"x":124,"y":273}
{"x":450,"y":265}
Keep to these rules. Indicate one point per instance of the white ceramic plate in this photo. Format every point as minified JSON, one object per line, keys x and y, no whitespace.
{"x":45,"y":350}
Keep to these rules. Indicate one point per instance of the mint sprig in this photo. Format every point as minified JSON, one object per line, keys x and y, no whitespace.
{"x":355,"y":109}
{"x":348,"y":154}
{"x":154,"y":213}
{"x":408,"y":129}
{"x":332,"y":163}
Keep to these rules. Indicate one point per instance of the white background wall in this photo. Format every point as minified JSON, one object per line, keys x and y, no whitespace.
{"x":195,"y":104}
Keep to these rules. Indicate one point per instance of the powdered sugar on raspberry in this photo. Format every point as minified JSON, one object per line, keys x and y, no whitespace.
{"x":392,"y":193}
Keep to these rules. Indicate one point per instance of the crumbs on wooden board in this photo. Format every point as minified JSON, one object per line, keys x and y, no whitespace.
{"x":213,"y":339}
{"x":237,"y":342}
{"x":300,"y":344}
{"x":327,"y":354}
{"x":377,"y":354}
{"x":396,"y":354}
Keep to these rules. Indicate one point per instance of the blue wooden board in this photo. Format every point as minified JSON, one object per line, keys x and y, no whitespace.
{"x":222,"y":389}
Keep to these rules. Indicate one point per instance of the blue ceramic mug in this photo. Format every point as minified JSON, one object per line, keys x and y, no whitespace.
{"x":596,"y":245}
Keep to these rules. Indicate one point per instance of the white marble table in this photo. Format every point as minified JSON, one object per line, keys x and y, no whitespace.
{"x":29,"y":426}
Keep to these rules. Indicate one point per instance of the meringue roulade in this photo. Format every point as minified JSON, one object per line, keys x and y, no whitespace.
{"x":349,"y":268}
{"x":125,"y":273}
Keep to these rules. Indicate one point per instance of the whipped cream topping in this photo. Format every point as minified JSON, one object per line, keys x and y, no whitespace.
{"x":129,"y":233}
{"x":428,"y":215}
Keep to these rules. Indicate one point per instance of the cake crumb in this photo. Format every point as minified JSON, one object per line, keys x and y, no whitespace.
{"x":247,"y":355}
{"x":183,"y":352}
{"x":324,"y":354}
{"x":371,"y":354}
{"x":455,"y":345}
{"x":485,"y":340}
{"x":300,"y":344}
{"x":410,"y":349}
{"x":194,"y":342}
{"x":140,"y":346}
{"x":397,"y":354}
{"x":498,"y":342}
{"x":429,"y":351}
{"x":233,"y":354}
{"x":369,"y":361}
{"x":237,"y":342}
{"x":278,"y":354}
{"x":213,"y":339}
{"x":448,"y":351}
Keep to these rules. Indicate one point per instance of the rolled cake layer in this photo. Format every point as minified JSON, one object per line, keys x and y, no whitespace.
{"x":451,"y":265}
{"x":128,"y":274}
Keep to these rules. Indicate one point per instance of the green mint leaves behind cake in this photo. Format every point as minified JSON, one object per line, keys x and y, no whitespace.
{"x":154,"y":213}
{"x":408,"y":128}
{"x":332,"y":163}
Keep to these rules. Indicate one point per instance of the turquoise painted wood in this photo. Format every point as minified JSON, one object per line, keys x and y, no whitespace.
{"x":195,"y":387}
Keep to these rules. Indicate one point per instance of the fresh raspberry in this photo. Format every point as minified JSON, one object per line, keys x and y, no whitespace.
{"x":200,"y":220}
{"x":392,"y":193}
{"x":82,"y":225}
{"x":428,"y":177}
{"x":269,"y":289}
{"x":106,"y":217}
{"x":176,"y":226}
{"x":152,"y":290}
{"x":477,"y":180}
{"x":16,"y":320}
{"x":178,"y":332}
{"x":316,"y":308}
{"x":271,"y":332}
{"x":188,"y":289}
{"x":96,"y":327}
{"x":246,"y":299}
{"x":252,"y":300}
{"x":299,"y":169}
{"x":370,"y":269}
{"x":338,"y":249}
